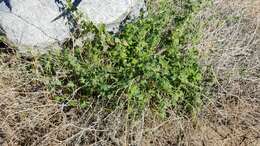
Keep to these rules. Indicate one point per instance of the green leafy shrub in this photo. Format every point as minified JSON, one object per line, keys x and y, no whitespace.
{"x":146,"y":65}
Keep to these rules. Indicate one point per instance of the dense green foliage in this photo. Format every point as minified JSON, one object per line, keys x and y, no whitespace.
{"x":149,"y":64}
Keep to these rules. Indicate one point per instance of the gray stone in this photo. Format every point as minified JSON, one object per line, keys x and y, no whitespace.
{"x":111,"y":12}
{"x":29,"y":24}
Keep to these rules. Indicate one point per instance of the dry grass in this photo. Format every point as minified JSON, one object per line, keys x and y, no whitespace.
{"x":231,"y":47}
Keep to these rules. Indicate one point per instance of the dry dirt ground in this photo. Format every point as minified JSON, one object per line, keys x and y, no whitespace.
{"x":230,"y":50}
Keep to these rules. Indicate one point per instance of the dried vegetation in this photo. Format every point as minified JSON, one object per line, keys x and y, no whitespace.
{"x":231,"y":116}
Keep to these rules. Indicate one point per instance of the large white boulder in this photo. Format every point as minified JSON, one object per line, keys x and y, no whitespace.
{"x":29,"y":24}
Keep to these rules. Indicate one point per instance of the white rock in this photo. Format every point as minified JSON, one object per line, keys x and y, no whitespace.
{"x":29,"y":24}
{"x":111,"y":12}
